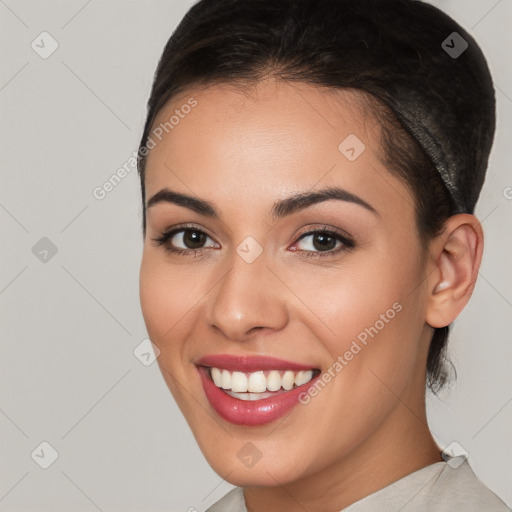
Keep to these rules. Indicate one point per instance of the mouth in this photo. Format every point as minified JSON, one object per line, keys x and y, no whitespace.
{"x":260,"y":384}
{"x":253,"y":390}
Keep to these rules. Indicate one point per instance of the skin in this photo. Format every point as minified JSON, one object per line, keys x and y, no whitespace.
{"x":367,"y":428}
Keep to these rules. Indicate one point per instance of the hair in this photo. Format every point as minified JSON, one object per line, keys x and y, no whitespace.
{"x":325,"y":43}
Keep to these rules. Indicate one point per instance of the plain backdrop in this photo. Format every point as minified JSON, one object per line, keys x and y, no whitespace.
{"x":69,"y":299}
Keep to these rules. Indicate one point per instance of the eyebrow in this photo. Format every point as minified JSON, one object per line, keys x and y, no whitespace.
{"x":280,"y":209}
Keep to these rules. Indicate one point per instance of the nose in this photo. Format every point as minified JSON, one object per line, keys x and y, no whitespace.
{"x":247,"y":301}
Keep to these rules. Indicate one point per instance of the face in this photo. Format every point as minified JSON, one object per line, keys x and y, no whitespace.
{"x":285,"y":293}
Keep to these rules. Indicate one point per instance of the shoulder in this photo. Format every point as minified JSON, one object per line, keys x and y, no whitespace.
{"x":461,"y":487}
{"x":440,"y":487}
{"x":233,"y":501}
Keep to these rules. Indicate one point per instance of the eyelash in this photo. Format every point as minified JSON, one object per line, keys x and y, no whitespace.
{"x":165,"y":236}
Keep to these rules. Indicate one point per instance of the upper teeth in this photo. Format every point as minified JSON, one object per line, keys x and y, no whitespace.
{"x":260,"y":381}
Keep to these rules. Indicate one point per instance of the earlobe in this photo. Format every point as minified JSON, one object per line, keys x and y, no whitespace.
{"x":458,"y":257}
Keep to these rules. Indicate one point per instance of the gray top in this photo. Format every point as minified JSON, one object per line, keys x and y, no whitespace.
{"x":438,"y":487}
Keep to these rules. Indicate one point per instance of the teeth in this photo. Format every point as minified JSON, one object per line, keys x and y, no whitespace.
{"x":288,"y":380}
{"x":273,"y":381}
{"x":225,"y":380}
{"x":302,"y":377}
{"x":256,"y":385}
{"x":257,"y":382}
{"x":217,"y":377}
{"x":238,"y":382}
{"x":250,"y":396}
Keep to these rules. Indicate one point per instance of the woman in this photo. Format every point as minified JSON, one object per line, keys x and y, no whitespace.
{"x":309,"y":173}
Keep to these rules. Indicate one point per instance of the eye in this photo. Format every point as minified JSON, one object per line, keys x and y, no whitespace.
{"x":185,"y":240}
{"x":322,"y":242}
{"x":316,"y":243}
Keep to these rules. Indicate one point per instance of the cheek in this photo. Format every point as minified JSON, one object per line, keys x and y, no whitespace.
{"x":167,"y":297}
{"x":154,"y":298}
{"x":354,"y":296}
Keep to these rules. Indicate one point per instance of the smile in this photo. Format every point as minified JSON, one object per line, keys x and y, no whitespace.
{"x":260,"y":384}
{"x":253,"y":390}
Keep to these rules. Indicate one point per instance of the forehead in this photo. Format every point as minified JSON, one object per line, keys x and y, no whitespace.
{"x":267,"y":141}
{"x":267,"y":107}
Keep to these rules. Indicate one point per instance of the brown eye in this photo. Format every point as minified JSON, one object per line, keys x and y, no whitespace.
{"x":192,"y":239}
{"x":322,"y":243}
{"x":319,"y":241}
{"x":185,"y":241}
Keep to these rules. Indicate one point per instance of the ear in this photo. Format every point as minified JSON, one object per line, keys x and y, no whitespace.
{"x":456,"y":256}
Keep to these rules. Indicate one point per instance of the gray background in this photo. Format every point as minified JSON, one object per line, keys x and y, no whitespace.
{"x":70,"y":324}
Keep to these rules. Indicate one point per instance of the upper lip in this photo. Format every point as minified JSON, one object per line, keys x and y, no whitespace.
{"x":249,"y":363}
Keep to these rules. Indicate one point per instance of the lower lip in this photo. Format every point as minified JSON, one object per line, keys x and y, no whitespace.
{"x":250,"y":413}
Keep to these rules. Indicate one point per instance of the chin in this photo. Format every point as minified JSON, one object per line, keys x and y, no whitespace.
{"x":262,"y":474}
{"x":244,"y":463}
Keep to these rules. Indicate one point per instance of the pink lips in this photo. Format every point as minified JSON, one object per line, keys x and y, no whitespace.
{"x":243,"y":412}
